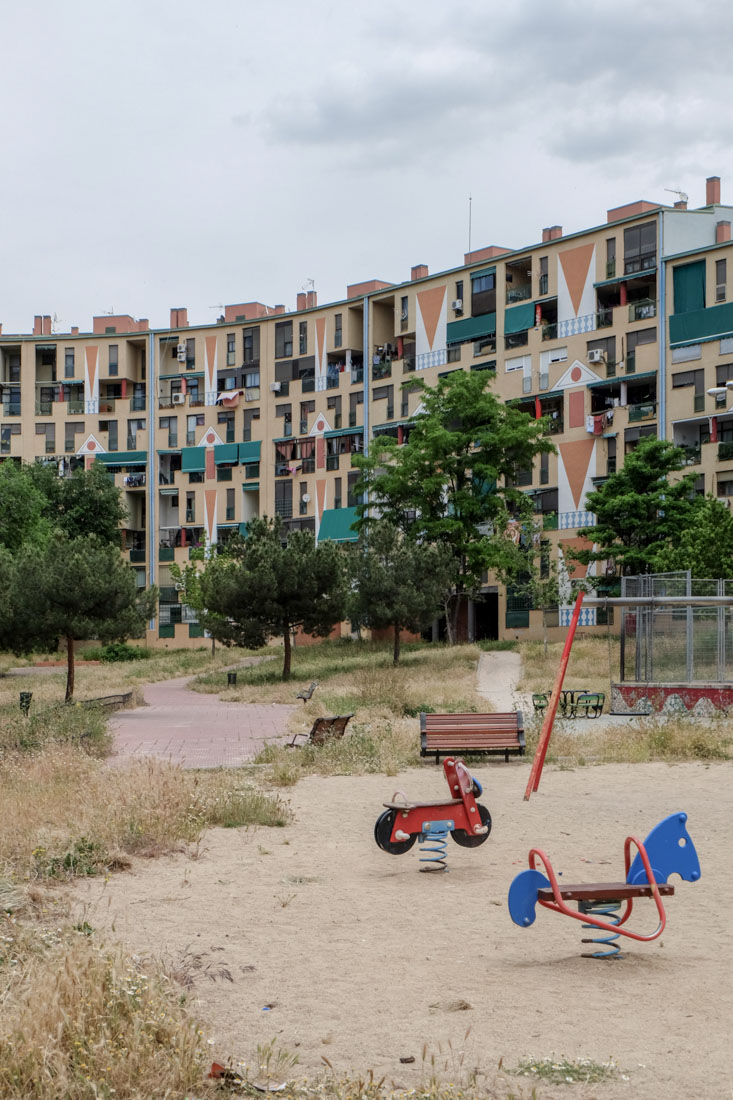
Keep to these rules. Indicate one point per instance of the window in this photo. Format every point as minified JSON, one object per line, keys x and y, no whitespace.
{"x":227,"y":418}
{"x":607,"y":347}
{"x":544,"y":278}
{"x":13,"y":367}
{"x":190,"y":353}
{"x":611,"y":258}
{"x":640,"y":247}
{"x":230,"y":504}
{"x":544,"y":468}
{"x":611,"y":453}
{"x":404,"y":313}
{"x":134,"y":428}
{"x":337,"y":492}
{"x":483,"y":295}
{"x":113,"y":362}
{"x":334,"y":403}
{"x":72,"y":429}
{"x":170,"y":424}
{"x":283,"y":339}
{"x":192,"y":423}
{"x":516,"y":340}
{"x":284,"y":499}
{"x":303,"y":338}
{"x":306,"y":409}
{"x":351,"y":498}
{"x":485,"y":346}
{"x":689,"y":378}
{"x":338,"y":330}
{"x":68,"y":363}
{"x":720,"y":280}
{"x":5,"y":435}
{"x":231,"y":349}
{"x":518,"y":363}
{"x":49,"y":430}
{"x":303,"y":504}
{"x":110,"y":427}
{"x":249,"y":416}
{"x":251,"y":379}
{"x":459,"y":292}
{"x":190,"y":507}
{"x":453,"y":353}
{"x":251,"y":344}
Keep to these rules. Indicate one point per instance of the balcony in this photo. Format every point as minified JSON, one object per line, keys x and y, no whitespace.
{"x":725,"y":450}
{"x":693,"y":455}
{"x":549,"y":332}
{"x":357,"y":376}
{"x":408,"y":364}
{"x":134,"y":481}
{"x":518,"y":294}
{"x":137,"y":556}
{"x":382,"y":370}
{"x":646,"y":411}
{"x":643,"y":310}
{"x":604,"y":317}
{"x":43,"y":408}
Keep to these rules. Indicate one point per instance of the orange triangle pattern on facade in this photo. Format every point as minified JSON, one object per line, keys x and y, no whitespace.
{"x":210,"y":500}
{"x":431,"y":303}
{"x":575,"y":263}
{"x":320,"y":338}
{"x":320,"y":497}
{"x":576,"y":458}
{"x":575,"y":569}
{"x":91,"y":353}
{"x":210,"y":360}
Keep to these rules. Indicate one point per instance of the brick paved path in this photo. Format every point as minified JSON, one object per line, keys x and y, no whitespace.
{"x":195,"y":730}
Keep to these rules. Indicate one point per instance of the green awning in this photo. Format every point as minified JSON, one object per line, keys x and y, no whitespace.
{"x":621,"y":378}
{"x":471,"y":328}
{"x":251,"y":486}
{"x":226,"y":452}
{"x":193,"y":460}
{"x":344,"y":431}
{"x":689,"y":287}
{"x":701,"y":325}
{"x":124,"y":458}
{"x":250,"y":452}
{"x":336,"y":525}
{"x":627,"y":278}
{"x":484,"y":271}
{"x":519,"y":318}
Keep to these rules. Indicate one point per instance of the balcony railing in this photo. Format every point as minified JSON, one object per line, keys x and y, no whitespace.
{"x":611,"y":269}
{"x":646,"y":411}
{"x":641,"y":311}
{"x":357,"y":375}
{"x":604,"y":317}
{"x":549,"y":332}
{"x":382,"y":370}
{"x":693,"y":455}
{"x":518,"y":294}
{"x":284,"y":508}
{"x":698,"y":403}
{"x":43,"y":408}
{"x":725,"y":450}
{"x":332,"y":462}
{"x":134,"y":481}
{"x":137,"y":404}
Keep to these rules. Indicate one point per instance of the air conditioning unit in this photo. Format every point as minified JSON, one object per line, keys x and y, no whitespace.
{"x":178,"y":398}
{"x":178,"y":586}
{"x":275,"y":387}
{"x":457,"y":305}
{"x":181,"y":349}
{"x":181,"y":356}
{"x":596,"y":356}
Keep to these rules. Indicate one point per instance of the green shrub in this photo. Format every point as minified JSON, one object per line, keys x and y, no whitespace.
{"x":121,"y":651}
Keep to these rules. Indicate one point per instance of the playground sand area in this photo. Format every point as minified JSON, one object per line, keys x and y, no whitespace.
{"x":312,"y":936}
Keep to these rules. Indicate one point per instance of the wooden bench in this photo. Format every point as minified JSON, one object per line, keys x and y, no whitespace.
{"x":469,"y":734}
{"x":325,"y":729}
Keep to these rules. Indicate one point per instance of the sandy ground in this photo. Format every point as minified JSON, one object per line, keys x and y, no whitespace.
{"x":340,"y":950}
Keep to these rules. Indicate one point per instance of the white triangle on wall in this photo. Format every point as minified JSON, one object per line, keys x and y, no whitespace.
{"x":577,"y":374}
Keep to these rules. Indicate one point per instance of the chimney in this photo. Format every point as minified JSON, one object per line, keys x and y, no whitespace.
{"x":681,"y":204}
{"x":46,"y":326}
{"x":74,"y":330}
{"x":554,"y":232}
{"x":300,"y":301}
{"x":722,"y":232}
{"x":278,"y":309}
{"x":179,"y":318}
{"x":712,"y":191}
{"x":419,"y":271}
{"x":545,"y":235}
{"x":311,"y":299}
{"x":37,"y":322}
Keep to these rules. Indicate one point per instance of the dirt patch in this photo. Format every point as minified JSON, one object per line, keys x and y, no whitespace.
{"x":312,"y":935}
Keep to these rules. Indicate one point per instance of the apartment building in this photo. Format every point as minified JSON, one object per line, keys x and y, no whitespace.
{"x":617,"y":332}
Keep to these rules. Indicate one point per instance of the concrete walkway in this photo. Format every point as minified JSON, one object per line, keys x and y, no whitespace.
{"x":497,"y":677}
{"x":195,"y":730}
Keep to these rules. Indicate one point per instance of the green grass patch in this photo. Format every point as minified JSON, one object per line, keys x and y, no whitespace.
{"x":559,"y":1071}
{"x":62,"y":723}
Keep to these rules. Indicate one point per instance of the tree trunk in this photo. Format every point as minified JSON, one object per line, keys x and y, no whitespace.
{"x":69,"y":668}
{"x":448,"y":622}
{"x":287,"y":651}
{"x":456,"y":613}
{"x":396,"y":649}
{"x":213,"y":645}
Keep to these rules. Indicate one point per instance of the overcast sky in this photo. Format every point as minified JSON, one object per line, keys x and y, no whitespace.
{"x":162,"y":153}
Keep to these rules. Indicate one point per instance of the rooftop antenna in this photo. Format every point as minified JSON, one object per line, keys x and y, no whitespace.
{"x":682,"y":196}
{"x":309,"y":284}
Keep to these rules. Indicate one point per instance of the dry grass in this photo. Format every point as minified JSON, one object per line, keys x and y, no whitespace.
{"x":66,"y":814}
{"x":591,"y":664}
{"x":93,"y":681}
{"x":80,"y":1022}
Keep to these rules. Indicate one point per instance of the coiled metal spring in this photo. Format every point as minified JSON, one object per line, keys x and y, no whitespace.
{"x":608,"y":911}
{"x":434,"y":845}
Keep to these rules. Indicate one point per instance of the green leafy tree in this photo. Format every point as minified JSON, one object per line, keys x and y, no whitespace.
{"x":86,"y":503}
{"x":71,"y":589}
{"x":398,"y":584}
{"x":640,"y":513}
{"x":265,"y":587}
{"x":704,"y":546}
{"x":189,"y":579}
{"x":452,"y":482}
{"x":23,"y":508}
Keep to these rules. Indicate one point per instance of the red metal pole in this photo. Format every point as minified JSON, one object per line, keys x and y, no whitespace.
{"x":541,"y":751}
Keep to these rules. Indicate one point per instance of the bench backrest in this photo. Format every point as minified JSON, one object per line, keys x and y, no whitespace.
{"x":499,"y":722}
{"x":325,"y":728}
